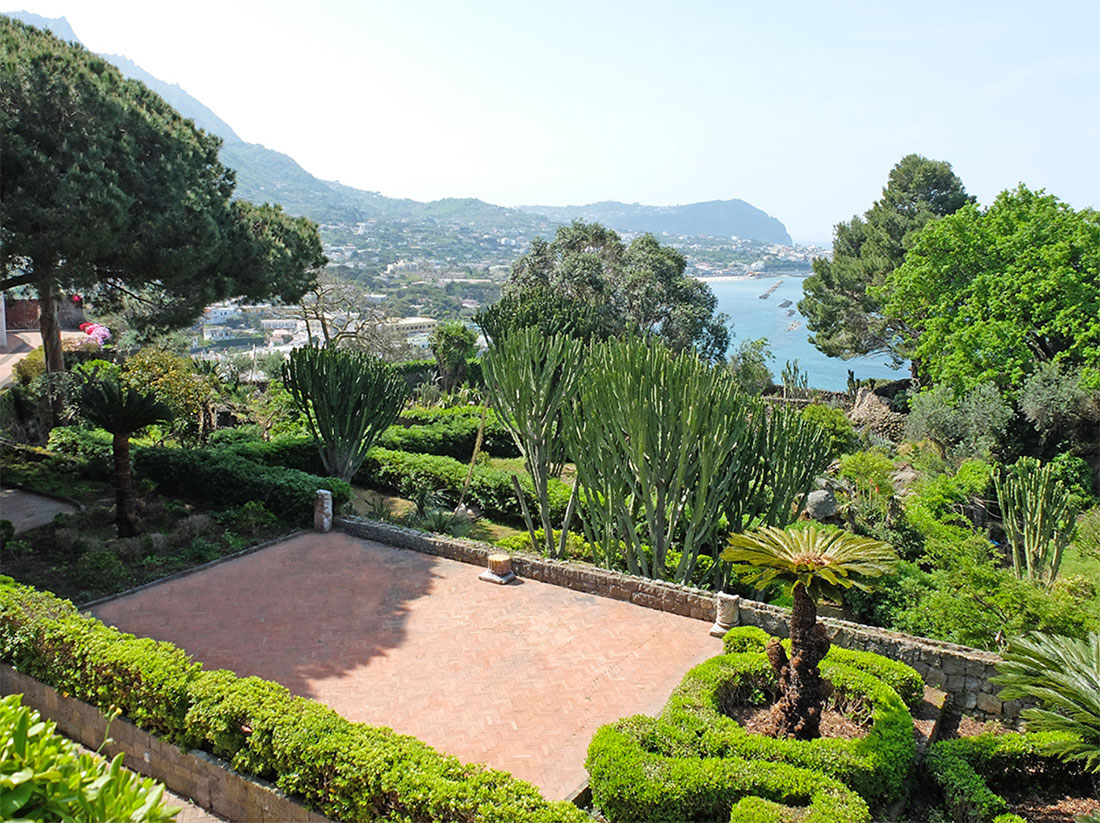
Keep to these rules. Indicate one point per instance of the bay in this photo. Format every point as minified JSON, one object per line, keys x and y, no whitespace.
{"x":788,"y":337}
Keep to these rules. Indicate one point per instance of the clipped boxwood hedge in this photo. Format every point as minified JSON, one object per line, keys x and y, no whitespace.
{"x":453,"y":436}
{"x":961,"y":767}
{"x":347,"y":771}
{"x":687,"y":763}
{"x":235,"y":480}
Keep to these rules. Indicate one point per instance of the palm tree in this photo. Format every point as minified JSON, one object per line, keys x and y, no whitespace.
{"x":122,"y":411}
{"x":816,"y":562}
{"x":1063,"y":675}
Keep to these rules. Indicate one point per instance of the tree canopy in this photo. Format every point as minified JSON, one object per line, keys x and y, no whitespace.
{"x":989,"y":295}
{"x":841,"y":307}
{"x":588,"y":283}
{"x":106,"y":190}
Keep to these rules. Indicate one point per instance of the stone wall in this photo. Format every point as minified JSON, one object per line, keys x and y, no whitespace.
{"x":206,"y":780}
{"x":962,"y":672}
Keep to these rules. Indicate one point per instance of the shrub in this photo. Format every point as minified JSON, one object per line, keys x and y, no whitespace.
{"x":46,"y":777}
{"x":30,"y":367}
{"x":230,"y":479}
{"x":94,"y":446}
{"x":693,"y":762}
{"x":837,"y":429}
{"x":971,"y":425}
{"x":452,"y":436}
{"x":961,"y":767}
{"x":347,"y":771}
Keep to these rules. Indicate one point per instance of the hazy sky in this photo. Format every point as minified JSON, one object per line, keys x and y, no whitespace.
{"x":799,"y":108}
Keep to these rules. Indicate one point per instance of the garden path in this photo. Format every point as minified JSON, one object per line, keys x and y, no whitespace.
{"x":518,"y":676}
{"x":27,"y":510}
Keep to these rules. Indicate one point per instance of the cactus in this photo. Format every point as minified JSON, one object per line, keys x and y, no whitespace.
{"x":348,"y":397}
{"x":656,"y":437}
{"x":1038,"y":518}
{"x":530,"y":378}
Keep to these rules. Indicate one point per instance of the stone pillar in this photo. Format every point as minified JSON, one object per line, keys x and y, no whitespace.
{"x":728,"y":614}
{"x":499,"y":571}
{"x":322,"y":511}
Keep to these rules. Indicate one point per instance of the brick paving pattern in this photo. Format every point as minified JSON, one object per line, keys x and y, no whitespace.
{"x":516,"y":676}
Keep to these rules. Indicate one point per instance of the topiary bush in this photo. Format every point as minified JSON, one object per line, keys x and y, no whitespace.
{"x":347,"y":771}
{"x":691,"y":762}
{"x":962,"y":769}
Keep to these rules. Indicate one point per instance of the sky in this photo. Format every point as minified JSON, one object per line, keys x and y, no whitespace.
{"x":800,"y":108}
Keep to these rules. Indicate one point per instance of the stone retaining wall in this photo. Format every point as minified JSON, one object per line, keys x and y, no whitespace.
{"x":205,"y":779}
{"x":962,"y":672}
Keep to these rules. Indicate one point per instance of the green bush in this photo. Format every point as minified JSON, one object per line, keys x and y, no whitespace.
{"x":962,"y":767}
{"x":90,"y":445}
{"x":691,"y":762}
{"x":453,"y":436}
{"x":901,"y":678}
{"x":838,"y":430}
{"x":43,"y":777}
{"x":347,"y":771}
{"x":229,"y":479}
{"x":490,"y":489}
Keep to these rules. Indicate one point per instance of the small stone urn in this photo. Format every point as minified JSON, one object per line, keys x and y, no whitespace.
{"x":500,"y":569}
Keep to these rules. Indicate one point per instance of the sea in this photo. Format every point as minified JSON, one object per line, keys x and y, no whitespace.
{"x":785,"y":329}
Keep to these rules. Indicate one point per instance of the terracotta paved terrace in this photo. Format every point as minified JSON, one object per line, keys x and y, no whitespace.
{"x":517,"y":676}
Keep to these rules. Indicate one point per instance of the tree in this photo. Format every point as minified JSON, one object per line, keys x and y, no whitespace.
{"x":122,"y":411}
{"x":840,"y":305}
{"x":348,"y":397}
{"x":815,"y":562}
{"x":452,"y":344}
{"x":335,"y":312}
{"x":1063,"y":675}
{"x":989,"y":296}
{"x":597,"y":287}
{"x":107,"y":191}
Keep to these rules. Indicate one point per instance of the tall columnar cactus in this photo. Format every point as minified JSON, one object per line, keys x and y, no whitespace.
{"x":656,"y":438}
{"x":531,"y":377}
{"x":348,"y":397}
{"x":1038,"y":518}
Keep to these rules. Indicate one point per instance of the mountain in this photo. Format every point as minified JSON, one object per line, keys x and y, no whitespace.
{"x":267,"y":175}
{"x":717,"y":218}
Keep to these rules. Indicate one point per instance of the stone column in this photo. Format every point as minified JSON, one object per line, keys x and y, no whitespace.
{"x":322,"y":511}
{"x":499,"y":571}
{"x":728,"y":614}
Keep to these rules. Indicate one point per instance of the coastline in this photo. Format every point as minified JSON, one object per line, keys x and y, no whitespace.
{"x":737,"y":278}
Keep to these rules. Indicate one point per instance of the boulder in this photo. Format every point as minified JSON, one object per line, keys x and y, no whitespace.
{"x":820,"y":504}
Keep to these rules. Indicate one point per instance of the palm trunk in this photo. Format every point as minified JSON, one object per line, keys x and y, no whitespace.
{"x":798,"y":712}
{"x":125,"y":504}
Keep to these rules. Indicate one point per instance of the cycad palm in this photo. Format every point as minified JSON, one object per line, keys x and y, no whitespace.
{"x":122,"y":411}
{"x":1063,"y":675}
{"x":816,"y":563}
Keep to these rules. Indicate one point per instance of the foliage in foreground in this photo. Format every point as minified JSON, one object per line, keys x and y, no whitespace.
{"x":44,"y":777}
{"x":1063,"y":675}
{"x":347,"y":771}
{"x":694,"y":763}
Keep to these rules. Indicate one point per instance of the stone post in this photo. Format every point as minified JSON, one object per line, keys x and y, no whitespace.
{"x":322,"y":511}
{"x":728,"y":614}
{"x":499,"y":571}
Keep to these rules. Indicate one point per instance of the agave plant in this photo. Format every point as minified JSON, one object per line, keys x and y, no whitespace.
{"x":122,"y":410}
{"x":816,"y":563}
{"x":1063,"y":675}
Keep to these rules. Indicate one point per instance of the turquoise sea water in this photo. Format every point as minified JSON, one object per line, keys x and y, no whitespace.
{"x":753,"y":318}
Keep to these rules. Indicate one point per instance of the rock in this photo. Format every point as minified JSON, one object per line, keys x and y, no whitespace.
{"x":872,"y":413}
{"x":820,"y":505}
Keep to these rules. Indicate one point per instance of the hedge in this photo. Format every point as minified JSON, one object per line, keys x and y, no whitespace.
{"x":901,"y":678}
{"x":231,"y":479}
{"x":694,"y":742}
{"x":960,"y":768}
{"x":43,"y":776}
{"x":347,"y":771}
{"x":453,"y":437}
